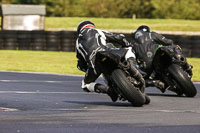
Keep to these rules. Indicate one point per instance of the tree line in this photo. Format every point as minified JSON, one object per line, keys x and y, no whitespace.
{"x":170,"y":9}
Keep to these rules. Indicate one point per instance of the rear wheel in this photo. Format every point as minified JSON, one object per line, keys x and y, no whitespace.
{"x":185,"y":84}
{"x":127,"y":89}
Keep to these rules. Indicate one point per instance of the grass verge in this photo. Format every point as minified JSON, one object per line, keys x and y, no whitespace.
{"x":69,"y":23}
{"x":54,"y":62}
{"x":39,"y":61}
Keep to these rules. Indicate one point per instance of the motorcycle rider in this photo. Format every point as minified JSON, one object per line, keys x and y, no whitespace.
{"x":145,"y":43}
{"x":91,"y":40}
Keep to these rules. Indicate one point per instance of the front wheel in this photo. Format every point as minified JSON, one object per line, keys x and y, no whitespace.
{"x":182,"y":79}
{"x":147,"y":99}
{"x":127,"y":89}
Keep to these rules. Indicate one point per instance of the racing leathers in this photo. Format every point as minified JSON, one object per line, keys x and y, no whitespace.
{"x":89,"y":42}
{"x":145,"y":45}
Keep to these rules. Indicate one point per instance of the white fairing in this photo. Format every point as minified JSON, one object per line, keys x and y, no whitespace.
{"x":129,"y":53}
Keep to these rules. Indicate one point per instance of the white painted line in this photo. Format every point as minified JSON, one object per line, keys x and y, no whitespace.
{"x":51,"y":81}
{"x":7,"y":109}
{"x":38,"y":92}
{"x":196,"y":82}
{"x":44,"y":73}
{"x":38,"y":81}
{"x":131,"y":109}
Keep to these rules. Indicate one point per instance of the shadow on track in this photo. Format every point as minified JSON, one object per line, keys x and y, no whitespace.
{"x":168,"y":95}
{"x":165,"y":95}
{"x":119,"y":103}
{"x":116,"y":104}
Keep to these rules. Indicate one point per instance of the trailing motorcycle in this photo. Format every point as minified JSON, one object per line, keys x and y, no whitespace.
{"x":119,"y":75}
{"x":167,"y":66}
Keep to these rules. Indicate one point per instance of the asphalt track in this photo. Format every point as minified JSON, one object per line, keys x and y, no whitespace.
{"x":48,"y":103}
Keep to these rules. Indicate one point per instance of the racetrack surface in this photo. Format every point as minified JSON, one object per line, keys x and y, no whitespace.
{"x":49,"y":103}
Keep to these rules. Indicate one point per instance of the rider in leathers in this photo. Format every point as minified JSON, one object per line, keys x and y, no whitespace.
{"x":144,"y":44}
{"x":91,"y":40}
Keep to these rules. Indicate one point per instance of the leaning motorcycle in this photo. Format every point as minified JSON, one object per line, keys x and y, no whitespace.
{"x":119,"y":75}
{"x":168,"y":67}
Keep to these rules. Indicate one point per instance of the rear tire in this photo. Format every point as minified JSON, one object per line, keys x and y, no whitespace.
{"x":128,"y":90}
{"x":182,"y":79}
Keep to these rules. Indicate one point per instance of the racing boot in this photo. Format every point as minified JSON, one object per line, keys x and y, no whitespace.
{"x":155,"y":83}
{"x":99,"y":88}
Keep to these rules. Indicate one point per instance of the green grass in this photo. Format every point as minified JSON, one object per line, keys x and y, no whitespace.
{"x":54,"y":62}
{"x":68,"y":23}
{"x":38,"y":61}
{"x":196,"y":70}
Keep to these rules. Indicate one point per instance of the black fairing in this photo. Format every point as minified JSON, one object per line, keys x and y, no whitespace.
{"x":163,"y":60}
{"x":165,"y":56}
{"x":110,"y":59}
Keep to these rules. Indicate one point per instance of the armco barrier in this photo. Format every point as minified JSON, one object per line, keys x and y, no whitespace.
{"x":66,"y":40}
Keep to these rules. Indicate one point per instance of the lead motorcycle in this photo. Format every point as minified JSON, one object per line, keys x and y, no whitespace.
{"x":168,"y":67}
{"x":119,"y":75}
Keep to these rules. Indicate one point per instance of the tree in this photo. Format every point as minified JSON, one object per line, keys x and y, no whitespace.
{"x":119,"y":8}
{"x":5,"y":1}
{"x":176,"y":9}
{"x":27,"y":1}
{"x":97,"y":8}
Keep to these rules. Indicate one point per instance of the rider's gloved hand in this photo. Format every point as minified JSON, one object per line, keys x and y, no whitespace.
{"x":178,"y":47}
{"x":125,"y":41}
{"x":127,"y":44}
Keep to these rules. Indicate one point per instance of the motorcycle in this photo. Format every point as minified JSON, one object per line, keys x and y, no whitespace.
{"x":168,"y":67}
{"x":119,"y":75}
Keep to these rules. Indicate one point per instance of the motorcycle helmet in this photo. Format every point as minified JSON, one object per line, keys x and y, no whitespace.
{"x":85,"y":24}
{"x":144,"y":28}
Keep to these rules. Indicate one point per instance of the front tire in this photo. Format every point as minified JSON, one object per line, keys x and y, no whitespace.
{"x":127,"y":89}
{"x":182,"y":79}
{"x":147,"y":99}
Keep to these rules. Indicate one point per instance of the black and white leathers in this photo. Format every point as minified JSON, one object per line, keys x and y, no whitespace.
{"x":90,"y":41}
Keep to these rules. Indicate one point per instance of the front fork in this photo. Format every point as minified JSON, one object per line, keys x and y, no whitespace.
{"x":170,"y":83}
